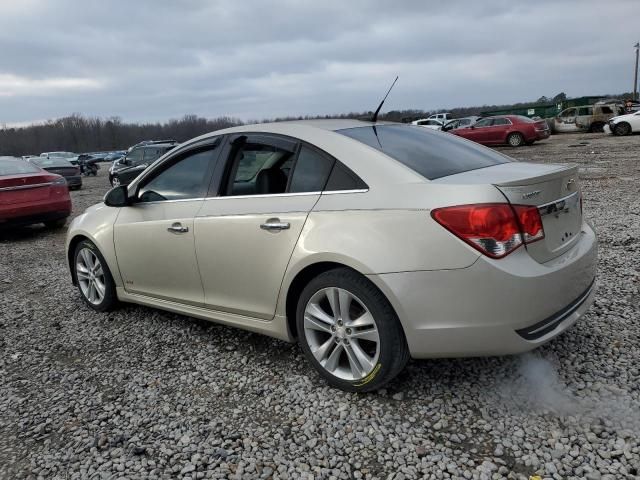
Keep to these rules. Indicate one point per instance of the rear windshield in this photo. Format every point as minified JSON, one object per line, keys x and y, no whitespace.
{"x":16,"y":167}
{"x":431,"y":154}
{"x":52,"y":162}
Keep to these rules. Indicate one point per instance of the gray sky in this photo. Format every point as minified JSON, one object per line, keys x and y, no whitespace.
{"x":155,"y":60}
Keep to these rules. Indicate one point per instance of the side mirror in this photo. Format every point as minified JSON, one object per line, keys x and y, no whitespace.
{"x":117,"y":197}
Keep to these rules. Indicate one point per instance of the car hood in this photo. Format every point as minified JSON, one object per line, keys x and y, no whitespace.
{"x":626,"y":116}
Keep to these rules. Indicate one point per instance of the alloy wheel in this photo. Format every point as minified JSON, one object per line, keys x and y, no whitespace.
{"x":515,"y":139}
{"x":341,"y":333}
{"x":90,"y":276}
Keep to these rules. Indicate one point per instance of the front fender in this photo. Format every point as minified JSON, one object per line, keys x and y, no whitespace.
{"x":96,"y":225}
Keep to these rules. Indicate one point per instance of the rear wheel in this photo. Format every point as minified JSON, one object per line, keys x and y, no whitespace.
{"x":515,"y":139}
{"x":94,"y":279}
{"x":596,"y":127}
{"x":349,"y":332}
{"x":623,"y":128}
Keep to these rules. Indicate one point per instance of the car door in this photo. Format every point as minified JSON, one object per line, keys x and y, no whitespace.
{"x":566,"y":121}
{"x":478,"y":132}
{"x":154,"y":237}
{"x":246,"y":233}
{"x":497,"y":132}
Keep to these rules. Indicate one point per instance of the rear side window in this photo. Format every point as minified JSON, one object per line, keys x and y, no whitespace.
{"x":16,"y":167}
{"x":342,"y":178}
{"x":431,"y":154}
{"x":311,"y":171}
{"x":501,"y":121}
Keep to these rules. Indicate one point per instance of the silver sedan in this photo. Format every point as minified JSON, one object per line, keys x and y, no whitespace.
{"x":368,"y":243}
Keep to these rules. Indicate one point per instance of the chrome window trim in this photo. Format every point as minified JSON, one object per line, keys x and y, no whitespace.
{"x":266,"y":195}
{"x":169,"y":201}
{"x":337,"y":192}
{"x":25,"y":187}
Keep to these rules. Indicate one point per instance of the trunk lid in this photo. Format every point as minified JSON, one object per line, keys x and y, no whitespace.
{"x":553,"y":189}
{"x":69,"y":171}
{"x":23,"y":188}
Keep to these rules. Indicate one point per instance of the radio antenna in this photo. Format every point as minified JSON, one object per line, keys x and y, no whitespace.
{"x":375,"y":115}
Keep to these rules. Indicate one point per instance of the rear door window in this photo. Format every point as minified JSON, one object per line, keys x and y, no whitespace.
{"x":428,"y":153}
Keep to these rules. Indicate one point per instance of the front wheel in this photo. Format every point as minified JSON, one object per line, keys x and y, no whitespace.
{"x":115,"y":181}
{"x":515,"y":139}
{"x":623,"y":128}
{"x":349,"y":332}
{"x":94,"y":279}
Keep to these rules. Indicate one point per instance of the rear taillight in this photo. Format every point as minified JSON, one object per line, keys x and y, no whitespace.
{"x":495,"y":229}
{"x":59,"y":181}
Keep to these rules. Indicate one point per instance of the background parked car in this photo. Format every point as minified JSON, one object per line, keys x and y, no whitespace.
{"x":60,"y":166}
{"x":586,"y":118}
{"x":113,"y":156}
{"x":70,"y":156}
{"x":514,"y":130}
{"x":460,"y":123}
{"x":428,"y":123}
{"x":30,"y":194}
{"x":441,"y":117}
{"x":138,"y":158}
{"x":624,"y":124}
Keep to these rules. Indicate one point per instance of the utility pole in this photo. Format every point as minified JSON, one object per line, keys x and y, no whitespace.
{"x":635,"y":78}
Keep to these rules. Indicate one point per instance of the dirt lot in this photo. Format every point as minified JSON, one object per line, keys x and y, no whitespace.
{"x":141,"y":393}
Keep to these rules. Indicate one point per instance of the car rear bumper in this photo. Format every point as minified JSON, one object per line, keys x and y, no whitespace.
{"x":75,"y":181}
{"x":494,"y":307}
{"x":542,"y":134}
{"x":34,"y":212}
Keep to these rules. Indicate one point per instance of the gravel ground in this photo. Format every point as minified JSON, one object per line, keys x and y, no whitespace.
{"x":141,"y":393}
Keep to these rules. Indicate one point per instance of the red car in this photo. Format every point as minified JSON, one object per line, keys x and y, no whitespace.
{"x":514,"y":130}
{"x":29,"y":194}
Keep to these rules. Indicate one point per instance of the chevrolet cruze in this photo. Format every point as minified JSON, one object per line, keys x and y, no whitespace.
{"x":368,"y":243}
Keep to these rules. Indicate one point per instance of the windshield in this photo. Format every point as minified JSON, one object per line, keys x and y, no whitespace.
{"x":10,"y":166}
{"x":431,"y":154}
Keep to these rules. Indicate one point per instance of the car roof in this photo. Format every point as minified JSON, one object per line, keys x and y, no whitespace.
{"x":373,"y":166}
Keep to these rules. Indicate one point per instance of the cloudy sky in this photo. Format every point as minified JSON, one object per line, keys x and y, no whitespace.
{"x":150,"y":60}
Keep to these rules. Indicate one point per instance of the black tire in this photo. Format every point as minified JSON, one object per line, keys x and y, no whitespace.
{"x":596,"y":127}
{"x":393,"y":350}
{"x":110,"y":300}
{"x":622,"y":129}
{"x":515,"y":139}
{"x":54,"y":224}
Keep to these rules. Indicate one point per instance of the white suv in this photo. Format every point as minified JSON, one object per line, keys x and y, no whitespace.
{"x":441,"y":117}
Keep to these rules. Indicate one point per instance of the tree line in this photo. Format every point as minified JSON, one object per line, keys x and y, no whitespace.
{"x":80,"y":134}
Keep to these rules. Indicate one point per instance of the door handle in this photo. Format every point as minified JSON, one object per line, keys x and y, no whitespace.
{"x":177,"y":228}
{"x":274,"y":224}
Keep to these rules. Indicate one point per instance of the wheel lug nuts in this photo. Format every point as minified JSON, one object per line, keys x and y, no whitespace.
{"x":348,"y":331}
